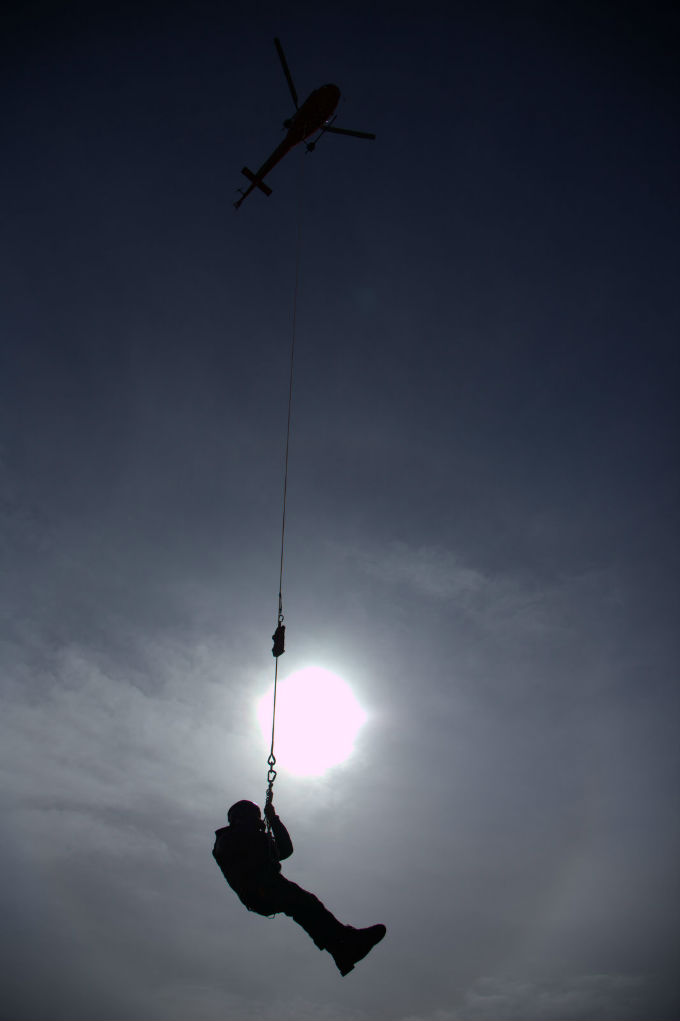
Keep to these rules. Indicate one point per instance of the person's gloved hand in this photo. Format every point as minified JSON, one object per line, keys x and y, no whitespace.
{"x":269,"y":812}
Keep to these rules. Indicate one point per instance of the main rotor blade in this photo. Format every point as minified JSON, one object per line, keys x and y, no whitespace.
{"x":286,"y":71}
{"x":346,"y":131}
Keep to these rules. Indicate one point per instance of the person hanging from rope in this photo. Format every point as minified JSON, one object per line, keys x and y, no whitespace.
{"x":249,"y":859}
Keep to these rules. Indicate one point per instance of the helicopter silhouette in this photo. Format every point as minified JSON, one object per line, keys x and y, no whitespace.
{"x":315,"y":114}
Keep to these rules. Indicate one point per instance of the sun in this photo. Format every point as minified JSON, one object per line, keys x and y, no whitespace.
{"x":317,"y":721}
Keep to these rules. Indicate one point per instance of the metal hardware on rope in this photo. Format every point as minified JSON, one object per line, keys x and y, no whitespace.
{"x":271,"y":758}
{"x":278,"y":639}
{"x":269,"y":796}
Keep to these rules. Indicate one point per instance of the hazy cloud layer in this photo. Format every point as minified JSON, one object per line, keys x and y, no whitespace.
{"x":481,"y":530}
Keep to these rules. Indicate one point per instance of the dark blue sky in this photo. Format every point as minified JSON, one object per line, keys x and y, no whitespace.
{"x":482,"y":532}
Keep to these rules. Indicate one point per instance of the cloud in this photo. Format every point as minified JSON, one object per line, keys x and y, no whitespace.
{"x":181,"y":1002}
{"x":495,"y":601}
{"x":95,"y":754}
{"x":429,"y":570}
{"x":580,"y":997}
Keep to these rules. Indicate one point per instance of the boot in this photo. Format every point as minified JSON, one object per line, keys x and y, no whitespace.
{"x":354,"y":945}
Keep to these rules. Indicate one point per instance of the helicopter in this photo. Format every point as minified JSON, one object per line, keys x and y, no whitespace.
{"x":315,"y":114}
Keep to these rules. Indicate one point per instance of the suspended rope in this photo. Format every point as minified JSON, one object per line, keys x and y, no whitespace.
{"x":279,"y":635}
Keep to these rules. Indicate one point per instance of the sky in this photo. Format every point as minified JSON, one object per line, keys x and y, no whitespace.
{"x":481,"y":533}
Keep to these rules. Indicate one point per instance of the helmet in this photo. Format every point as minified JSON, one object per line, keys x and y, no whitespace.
{"x":244,"y":811}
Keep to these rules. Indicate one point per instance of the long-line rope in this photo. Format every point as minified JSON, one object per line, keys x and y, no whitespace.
{"x":279,"y":634}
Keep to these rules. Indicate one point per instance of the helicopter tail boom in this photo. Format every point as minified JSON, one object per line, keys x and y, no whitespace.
{"x":256,"y":181}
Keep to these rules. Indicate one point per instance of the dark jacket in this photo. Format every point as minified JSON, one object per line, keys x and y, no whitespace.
{"x":248,"y":857}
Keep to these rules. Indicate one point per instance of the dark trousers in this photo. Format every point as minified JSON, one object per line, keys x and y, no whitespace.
{"x":277,"y":894}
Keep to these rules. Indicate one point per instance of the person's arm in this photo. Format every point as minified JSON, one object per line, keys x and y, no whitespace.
{"x":284,"y":845}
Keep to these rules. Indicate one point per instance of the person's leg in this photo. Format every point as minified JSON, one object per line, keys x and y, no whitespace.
{"x":309,"y":913}
{"x":344,"y":943}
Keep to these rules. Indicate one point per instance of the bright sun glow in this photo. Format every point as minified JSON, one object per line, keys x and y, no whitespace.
{"x":317,"y":721}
